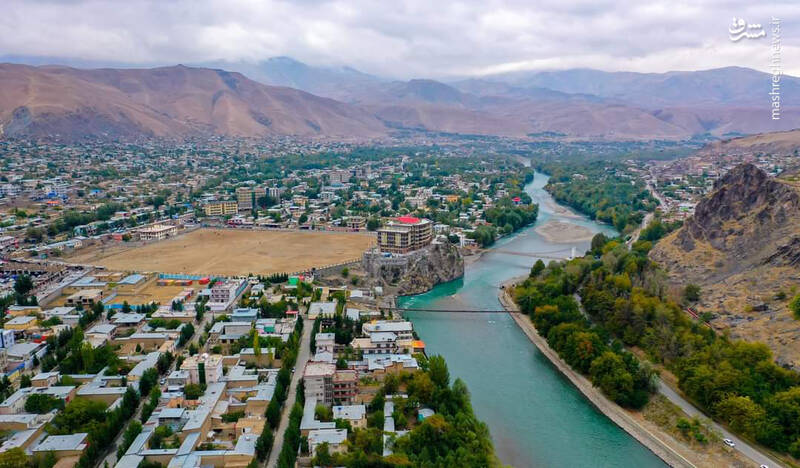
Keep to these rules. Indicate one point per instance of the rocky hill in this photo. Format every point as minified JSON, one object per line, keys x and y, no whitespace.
{"x":417,"y":272}
{"x":742,"y":246}
{"x":174,"y":101}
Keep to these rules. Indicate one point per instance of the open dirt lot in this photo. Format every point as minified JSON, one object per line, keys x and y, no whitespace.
{"x":233,"y":252}
{"x":153,"y":293}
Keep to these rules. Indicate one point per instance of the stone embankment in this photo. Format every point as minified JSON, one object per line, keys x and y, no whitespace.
{"x":614,"y":412}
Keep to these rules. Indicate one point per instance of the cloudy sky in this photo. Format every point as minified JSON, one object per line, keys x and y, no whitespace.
{"x":404,"y":38}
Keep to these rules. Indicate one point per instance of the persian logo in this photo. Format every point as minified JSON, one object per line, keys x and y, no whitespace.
{"x":739,"y":30}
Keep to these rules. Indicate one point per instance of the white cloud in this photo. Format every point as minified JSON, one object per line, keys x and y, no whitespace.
{"x":402,"y":38}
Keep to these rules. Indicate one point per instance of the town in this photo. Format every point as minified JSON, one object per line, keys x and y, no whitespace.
{"x":139,"y":328}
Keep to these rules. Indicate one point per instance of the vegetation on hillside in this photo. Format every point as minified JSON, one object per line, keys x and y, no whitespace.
{"x":625,"y":296}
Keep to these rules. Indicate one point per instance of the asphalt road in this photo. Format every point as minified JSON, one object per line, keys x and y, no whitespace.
{"x":302,"y":358}
{"x":746,"y":449}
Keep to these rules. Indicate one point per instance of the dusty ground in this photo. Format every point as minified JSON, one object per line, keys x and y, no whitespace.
{"x":153,"y":293}
{"x":233,"y":252}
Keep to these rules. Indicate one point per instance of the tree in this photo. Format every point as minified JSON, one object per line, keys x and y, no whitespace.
{"x":23,"y":285}
{"x":794,"y":306}
{"x":40,"y":403}
{"x":608,"y":372}
{"x":691,"y":292}
{"x":373,"y":224}
{"x":437,"y":368}
{"x":25,"y":381}
{"x":148,"y":380}
{"x":537,"y":268}
{"x":256,"y":345}
{"x":13,"y":458}
{"x":193,"y":391}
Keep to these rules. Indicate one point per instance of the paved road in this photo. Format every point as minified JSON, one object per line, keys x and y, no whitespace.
{"x":746,"y":449}
{"x":302,"y":357}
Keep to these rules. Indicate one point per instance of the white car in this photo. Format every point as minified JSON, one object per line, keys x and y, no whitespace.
{"x":763,"y":466}
{"x":729,"y":442}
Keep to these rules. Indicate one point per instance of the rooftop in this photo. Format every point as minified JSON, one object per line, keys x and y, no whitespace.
{"x":56,"y":443}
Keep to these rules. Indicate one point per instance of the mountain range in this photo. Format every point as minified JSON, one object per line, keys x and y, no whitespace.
{"x":281,"y":96}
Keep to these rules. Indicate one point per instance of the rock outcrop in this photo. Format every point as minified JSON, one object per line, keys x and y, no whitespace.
{"x":742,"y":246}
{"x":416,"y":272}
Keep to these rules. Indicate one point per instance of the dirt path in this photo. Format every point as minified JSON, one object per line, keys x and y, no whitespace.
{"x":613,"y":411}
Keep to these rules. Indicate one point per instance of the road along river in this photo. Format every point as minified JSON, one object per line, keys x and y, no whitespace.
{"x":535,"y":415}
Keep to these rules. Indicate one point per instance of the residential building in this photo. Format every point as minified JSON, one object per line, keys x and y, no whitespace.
{"x":203,"y":366}
{"x":221,"y":208}
{"x":318,"y":381}
{"x":247,"y":197}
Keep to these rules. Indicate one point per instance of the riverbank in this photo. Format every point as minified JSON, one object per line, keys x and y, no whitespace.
{"x":618,"y":415}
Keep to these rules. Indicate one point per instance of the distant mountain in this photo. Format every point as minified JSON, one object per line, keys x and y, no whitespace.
{"x":776,"y":143}
{"x":168,"y":102}
{"x":341,"y":83}
{"x":575,"y":103}
{"x":730,"y":86}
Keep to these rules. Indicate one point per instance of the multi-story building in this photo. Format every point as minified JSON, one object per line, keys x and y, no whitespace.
{"x":318,"y":381}
{"x":224,"y":292}
{"x":207,"y":366}
{"x":356,"y":223}
{"x":157,"y":232}
{"x":405,"y":234}
{"x":221,"y":208}
{"x":345,"y":386}
{"x":276,"y":192}
{"x":247,"y":197}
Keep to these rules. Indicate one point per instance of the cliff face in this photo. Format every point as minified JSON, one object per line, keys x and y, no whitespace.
{"x":742,"y":246}
{"x":417,"y":272}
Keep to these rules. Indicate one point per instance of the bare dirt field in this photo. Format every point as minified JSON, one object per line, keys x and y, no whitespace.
{"x":153,"y":293}
{"x":233,"y":252}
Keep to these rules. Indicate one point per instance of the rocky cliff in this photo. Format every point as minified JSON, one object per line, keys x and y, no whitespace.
{"x":742,"y":246}
{"x":416,"y":272}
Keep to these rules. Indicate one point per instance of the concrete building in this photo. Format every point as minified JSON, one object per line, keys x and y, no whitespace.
{"x":318,"y":381}
{"x":247,"y":197}
{"x":210,"y":366}
{"x":405,"y":234}
{"x":156,"y":232}
{"x":356,"y":415}
{"x":221,"y":208}
{"x":62,"y":446}
{"x":356,"y":223}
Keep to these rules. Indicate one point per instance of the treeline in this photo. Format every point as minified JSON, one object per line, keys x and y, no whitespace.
{"x":509,"y":217}
{"x":72,"y":218}
{"x":547,"y":297}
{"x":82,"y":415}
{"x":600,"y":189}
{"x":736,"y":382}
{"x":273,"y":411}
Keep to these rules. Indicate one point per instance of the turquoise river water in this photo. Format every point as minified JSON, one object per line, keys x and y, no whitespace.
{"x":535,"y":415}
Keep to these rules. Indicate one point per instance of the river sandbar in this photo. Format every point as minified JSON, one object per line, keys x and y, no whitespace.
{"x":563,"y":233}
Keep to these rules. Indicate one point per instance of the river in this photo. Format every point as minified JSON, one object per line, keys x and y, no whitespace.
{"x":535,"y":415}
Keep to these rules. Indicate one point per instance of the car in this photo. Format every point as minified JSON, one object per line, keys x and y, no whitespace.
{"x":163,"y":381}
{"x":729,"y":442}
{"x":763,"y":466}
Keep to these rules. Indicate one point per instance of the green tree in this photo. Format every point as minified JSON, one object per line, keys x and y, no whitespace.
{"x":691,"y":292}
{"x":794,"y":306}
